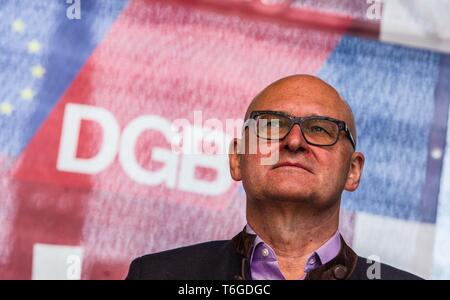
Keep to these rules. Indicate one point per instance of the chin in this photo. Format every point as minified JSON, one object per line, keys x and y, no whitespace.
{"x":290,"y":195}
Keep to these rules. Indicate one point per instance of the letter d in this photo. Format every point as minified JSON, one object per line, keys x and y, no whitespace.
{"x":67,"y":160}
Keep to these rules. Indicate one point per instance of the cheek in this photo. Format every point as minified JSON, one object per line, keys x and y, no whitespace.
{"x":252,"y":170}
{"x":262,"y":151}
{"x":260,"y":155}
{"x":336,"y":171}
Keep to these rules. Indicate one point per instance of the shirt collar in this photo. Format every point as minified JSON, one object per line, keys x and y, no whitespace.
{"x":321,"y":256}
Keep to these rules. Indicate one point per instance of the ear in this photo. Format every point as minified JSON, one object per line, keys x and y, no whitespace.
{"x":355,"y":171}
{"x":235,"y":159}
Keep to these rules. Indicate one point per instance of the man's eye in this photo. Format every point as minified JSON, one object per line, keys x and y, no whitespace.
{"x":272,"y":123}
{"x":318,"y":129}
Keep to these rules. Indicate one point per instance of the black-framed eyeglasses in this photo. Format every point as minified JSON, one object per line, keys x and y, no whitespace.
{"x":316,"y":130}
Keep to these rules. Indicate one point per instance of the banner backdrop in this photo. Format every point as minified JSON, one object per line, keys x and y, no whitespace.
{"x":88,"y":178}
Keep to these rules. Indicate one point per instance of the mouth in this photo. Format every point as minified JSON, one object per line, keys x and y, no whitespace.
{"x":288,"y":164}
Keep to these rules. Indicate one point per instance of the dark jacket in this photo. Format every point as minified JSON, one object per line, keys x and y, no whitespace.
{"x":229,"y":259}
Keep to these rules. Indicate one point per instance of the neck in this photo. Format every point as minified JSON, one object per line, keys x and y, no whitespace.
{"x":293,"y":230}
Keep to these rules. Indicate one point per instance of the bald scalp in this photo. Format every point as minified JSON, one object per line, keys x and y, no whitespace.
{"x":306,"y":85}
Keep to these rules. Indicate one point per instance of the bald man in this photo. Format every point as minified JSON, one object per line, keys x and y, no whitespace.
{"x":293,"y":195}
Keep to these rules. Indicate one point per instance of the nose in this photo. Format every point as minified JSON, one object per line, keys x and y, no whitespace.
{"x":294,"y":141}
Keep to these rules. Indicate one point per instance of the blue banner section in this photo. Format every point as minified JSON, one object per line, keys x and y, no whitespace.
{"x":391,"y":90}
{"x":43,"y":46}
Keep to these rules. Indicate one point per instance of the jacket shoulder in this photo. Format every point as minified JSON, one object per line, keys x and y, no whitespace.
{"x":366,"y":269}
{"x":191,"y":262}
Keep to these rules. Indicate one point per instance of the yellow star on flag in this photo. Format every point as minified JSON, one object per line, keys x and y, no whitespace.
{"x":38,"y":71}
{"x":18,"y":26}
{"x":34,"y":47}
{"x":6,"y":108}
{"x":27,"y":94}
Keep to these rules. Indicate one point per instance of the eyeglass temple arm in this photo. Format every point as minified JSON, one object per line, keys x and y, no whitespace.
{"x":350,"y":135}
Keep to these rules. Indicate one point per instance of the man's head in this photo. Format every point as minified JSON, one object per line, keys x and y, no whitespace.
{"x":304,"y":173}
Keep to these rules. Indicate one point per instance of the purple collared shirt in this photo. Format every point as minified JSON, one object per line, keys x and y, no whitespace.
{"x":264,"y":263}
